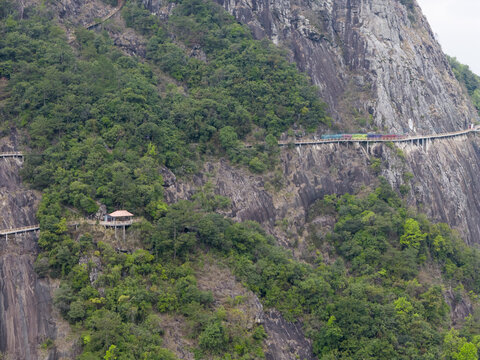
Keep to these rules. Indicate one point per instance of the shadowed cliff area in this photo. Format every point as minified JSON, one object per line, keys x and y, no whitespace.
{"x":25,"y":300}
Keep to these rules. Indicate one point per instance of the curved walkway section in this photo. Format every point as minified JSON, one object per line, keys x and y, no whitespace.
{"x":115,"y":10}
{"x":398,"y":138}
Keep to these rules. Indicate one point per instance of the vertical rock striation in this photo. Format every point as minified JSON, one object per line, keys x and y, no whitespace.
{"x":376,"y":55}
{"x":379,"y":59}
{"x":25,"y":302}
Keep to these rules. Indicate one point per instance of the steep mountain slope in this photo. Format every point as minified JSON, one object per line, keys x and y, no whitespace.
{"x":25,"y":300}
{"x":378,"y":65}
{"x":366,"y":273}
{"x":384,"y":49}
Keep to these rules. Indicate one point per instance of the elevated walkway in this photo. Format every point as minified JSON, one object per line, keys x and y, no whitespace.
{"x":20,"y":230}
{"x":13,"y":154}
{"x":36,"y":227}
{"x":103,"y":223}
{"x":400,"y":138}
{"x":115,"y":10}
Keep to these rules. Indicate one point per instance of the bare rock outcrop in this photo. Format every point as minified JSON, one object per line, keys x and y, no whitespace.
{"x":446,"y":185}
{"x":285,"y":340}
{"x":308,"y":174}
{"x":25,"y":301}
{"x":379,"y":59}
{"x":460,"y":305}
{"x":378,"y":56}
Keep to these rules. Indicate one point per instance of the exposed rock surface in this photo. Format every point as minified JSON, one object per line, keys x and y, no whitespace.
{"x":175,"y":337}
{"x":445,"y":172}
{"x":378,"y":47}
{"x":25,"y":301}
{"x":460,"y":305}
{"x":308,"y":174}
{"x":81,"y":12}
{"x":373,"y":57}
{"x":380,"y":58}
{"x":285,"y":340}
{"x":230,"y":293}
{"x":446,"y":185}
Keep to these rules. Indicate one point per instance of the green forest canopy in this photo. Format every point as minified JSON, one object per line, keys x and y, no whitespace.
{"x":470,"y":80}
{"x":369,"y":301}
{"x":105,"y":131}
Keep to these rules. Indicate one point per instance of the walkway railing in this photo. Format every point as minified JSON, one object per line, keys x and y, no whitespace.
{"x":400,"y":138}
{"x":116,"y":223}
{"x":20,"y":230}
{"x":103,"y":223}
{"x":12,"y":154}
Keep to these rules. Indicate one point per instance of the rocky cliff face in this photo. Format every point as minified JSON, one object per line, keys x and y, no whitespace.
{"x":377,"y":64}
{"x":446,"y":185}
{"x":307,"y":174}
{"x":378,"y":61}
{"x":25,"y":301}
{"x":377,"y":56}
{"x":374,"y":61}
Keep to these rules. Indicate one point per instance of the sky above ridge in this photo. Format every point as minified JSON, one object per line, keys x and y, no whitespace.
{"x":456,"y":24}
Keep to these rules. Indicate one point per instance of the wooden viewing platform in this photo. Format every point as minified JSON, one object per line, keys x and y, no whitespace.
{"x":102,"y":222}
{"x":117,"y":223}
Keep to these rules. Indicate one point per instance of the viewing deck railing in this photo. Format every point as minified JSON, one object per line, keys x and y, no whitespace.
{"x":116,"y":223}
{"x":102,"y":222}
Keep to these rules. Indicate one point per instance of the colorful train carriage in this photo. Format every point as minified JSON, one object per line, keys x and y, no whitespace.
{"x":360,"y":137}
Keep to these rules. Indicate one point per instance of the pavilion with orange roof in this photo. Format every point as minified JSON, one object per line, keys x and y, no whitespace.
{"x":119,"y":218}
